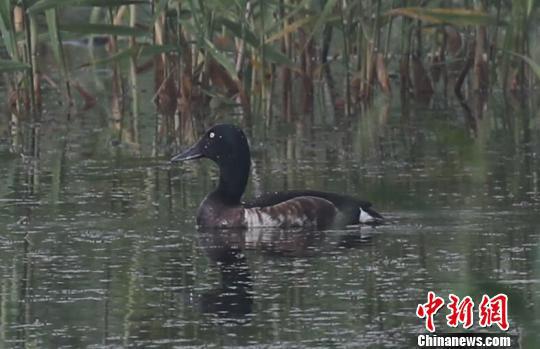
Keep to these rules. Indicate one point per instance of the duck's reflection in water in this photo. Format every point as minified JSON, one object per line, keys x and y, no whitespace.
{"x":233,"y":300}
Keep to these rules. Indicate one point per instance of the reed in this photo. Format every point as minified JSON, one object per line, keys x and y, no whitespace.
{"x":267,"y":57}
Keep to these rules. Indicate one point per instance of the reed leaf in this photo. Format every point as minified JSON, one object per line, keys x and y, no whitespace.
{"x":135,"y":51}
{"x":269,"y":52}
{"x":151,"y":50}
{"x":323,"y":17}
{"x":239,"y":31}
{"x":117,"y":57}
{"x":221,"y":58}
{"x":535,"y":67}
{"x":6,"y":28}
{"x":52,"y":24}
{"x":66,"y":37}
{"x":57,"y":47}
{"x":7,"y":65}
{"x":454,"y":16}
{"x":296,"y":10}
{"x":43,"y":5}
{"x":274,"y":56}
{"x":103,"y":29}
{"x":159,"y":7}
{"x":530,"y":6}
{"x":290,"y":28}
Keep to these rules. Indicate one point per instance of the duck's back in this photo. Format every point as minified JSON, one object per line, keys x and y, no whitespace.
{"x":352,"y":210}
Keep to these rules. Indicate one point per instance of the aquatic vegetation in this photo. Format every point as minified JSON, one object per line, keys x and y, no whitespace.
{"x":264,"y":59}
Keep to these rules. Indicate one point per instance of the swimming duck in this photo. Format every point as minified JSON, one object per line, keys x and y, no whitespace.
{"x":228,"y":147}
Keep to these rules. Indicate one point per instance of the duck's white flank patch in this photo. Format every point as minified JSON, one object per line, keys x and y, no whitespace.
{"x":365,"y":217}
{"x":257,"y":217}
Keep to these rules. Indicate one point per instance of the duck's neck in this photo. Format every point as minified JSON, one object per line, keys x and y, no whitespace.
{"x":233,"y":179}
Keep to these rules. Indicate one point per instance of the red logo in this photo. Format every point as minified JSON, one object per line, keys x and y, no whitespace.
{"x":460,"y":311}
{"x":494,"y":311}
{"x":491,"y":311}
{"x":429,"y":309}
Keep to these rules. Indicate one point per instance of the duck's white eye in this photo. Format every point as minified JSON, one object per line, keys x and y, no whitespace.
{"x":212,"y":135}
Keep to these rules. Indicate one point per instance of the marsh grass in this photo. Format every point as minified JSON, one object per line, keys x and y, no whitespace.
{"x":269,"y":59}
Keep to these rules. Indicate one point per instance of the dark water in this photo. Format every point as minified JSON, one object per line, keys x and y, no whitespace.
{"x":98,"y":244}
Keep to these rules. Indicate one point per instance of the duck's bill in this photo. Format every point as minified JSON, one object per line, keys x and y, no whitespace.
{"x":191,"y":153}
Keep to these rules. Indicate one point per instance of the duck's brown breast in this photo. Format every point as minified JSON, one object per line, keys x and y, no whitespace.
{"x":215,"y":214}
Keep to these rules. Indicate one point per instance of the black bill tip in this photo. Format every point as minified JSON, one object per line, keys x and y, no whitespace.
{"x":189,"y":154}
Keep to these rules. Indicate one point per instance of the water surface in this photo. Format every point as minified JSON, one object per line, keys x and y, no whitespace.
{"x":99,"y":245}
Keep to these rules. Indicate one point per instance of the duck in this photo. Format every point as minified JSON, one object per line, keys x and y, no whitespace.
{"x":227,"y":146}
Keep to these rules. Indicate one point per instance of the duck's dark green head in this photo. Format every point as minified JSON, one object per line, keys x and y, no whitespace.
{"x":227,"y":146}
